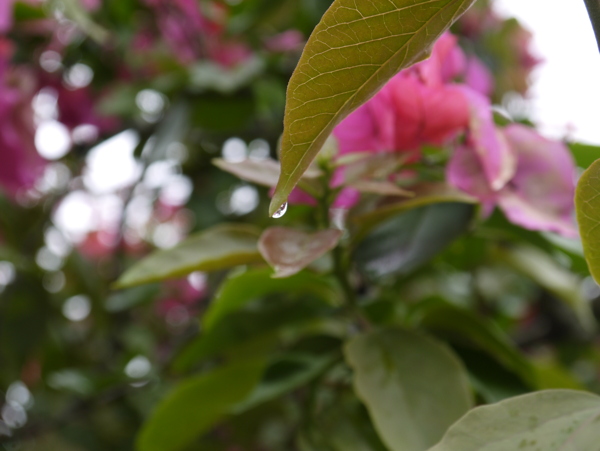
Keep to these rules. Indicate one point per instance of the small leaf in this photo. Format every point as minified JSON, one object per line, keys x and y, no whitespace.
{"x":217,"y":248}
{"x":587,"y":203}
{"x":380,"y":187}
{"x":266,"y":172}
{"x":289,"y":250}
{"x":553,"y":420}
{"x":241,"y":289}
{"x":413,"y":386}
{"x":355,"y":49}
{"x":196,"y":404}
{"x":403,"y":242}
{"x":584,"y":154}
{"x":261,"y":172}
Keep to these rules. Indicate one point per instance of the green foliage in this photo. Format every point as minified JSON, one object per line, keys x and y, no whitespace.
{"x":221,"y":247}
{"x":196,"y":404}
{"x":587,"y":203}
{"x":351,"y":54}
{"x":397,"y":375}
{"x":547,"y":420}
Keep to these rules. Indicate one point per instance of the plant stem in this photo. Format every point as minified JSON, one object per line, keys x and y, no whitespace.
{"x":593,"y":8}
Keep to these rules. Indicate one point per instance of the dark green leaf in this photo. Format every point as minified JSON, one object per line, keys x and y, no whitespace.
{"x":413,"y":386}
{"x":404,"y":242}
{"x":584,"y":154}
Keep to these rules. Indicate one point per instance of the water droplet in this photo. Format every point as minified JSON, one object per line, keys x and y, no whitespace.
{"x":280,"y":211}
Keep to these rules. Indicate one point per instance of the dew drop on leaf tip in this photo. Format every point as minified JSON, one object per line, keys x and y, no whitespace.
{"x":280,"y":211}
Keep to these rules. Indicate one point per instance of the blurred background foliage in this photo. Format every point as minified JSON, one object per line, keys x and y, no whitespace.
{"x":131,"y":100}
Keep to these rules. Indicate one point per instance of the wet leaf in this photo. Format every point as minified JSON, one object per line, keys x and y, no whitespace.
{"x":196,"y":404}
{"x":413,"y":386}
{"x":355,"y":49}
{"x":553,"y":420}
{"x":289,"y":250}
{"x":217,"y":248}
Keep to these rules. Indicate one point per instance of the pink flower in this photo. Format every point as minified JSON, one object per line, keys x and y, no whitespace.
{"x":6,"y":15}
{"x":539,"y":193}
{"x":288,"y":41}
{"x":20,"y":165}
{"x":418,"y":106}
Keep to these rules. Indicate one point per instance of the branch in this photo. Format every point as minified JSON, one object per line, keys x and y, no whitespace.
{"x":593,"y":8}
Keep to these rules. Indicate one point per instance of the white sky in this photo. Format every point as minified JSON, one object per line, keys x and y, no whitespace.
{"x":566,"y":90}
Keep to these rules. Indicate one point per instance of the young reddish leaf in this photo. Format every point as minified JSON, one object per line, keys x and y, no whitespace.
{"x":289,"y":250}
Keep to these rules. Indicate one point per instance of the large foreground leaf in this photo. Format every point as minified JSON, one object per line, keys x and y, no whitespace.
{"x":195,"y":405}
{"x":217,"y":248}
{"x":355,"y":49}
{"x":413,"y":386}
{"x":587,"y":202}
{"x":556,"y":420}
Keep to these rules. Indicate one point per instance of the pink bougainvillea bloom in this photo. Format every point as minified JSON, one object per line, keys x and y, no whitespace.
{"x":497,"y":160}
{"x":418,"y":106}
{"x":6,"y":15}
{"x":288,"y":41}
{"x":478,"y":77}
{"x":538,"y":196}
{"x":20,"y":165}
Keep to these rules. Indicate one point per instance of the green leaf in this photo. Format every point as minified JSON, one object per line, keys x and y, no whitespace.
{"x":584,"y":154}
{"x":251,"y":330}
{"x":554,"y":420}
{"x":355,"y":49}
{"x":241,"y":289}
{"x":220,"y":247}
{"x":458,"y":323}
{"x":126,"y":299}
{"x":196,"y":404}
{"x":422,"y":195}
{"x":413,"y":386}
{"x":403,"y":242}
{"x":290,"y":250}
{"x":587,"y":204}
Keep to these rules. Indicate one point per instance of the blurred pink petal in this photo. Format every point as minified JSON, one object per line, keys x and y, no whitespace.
{"x":6,"y":15}
{"x":478,"y":77}
{"x":497,"y":160}
{"x":288,"y":41}
{"x":540,"y":196}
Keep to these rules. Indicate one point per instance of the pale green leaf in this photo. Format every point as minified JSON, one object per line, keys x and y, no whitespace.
{"x":217,"y":248}
{"x":587,"y":203}
{"x":554,"y":420}
{"x":355,"y":49}
{"x":413,"y":386}
{"x":196,"y":404}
